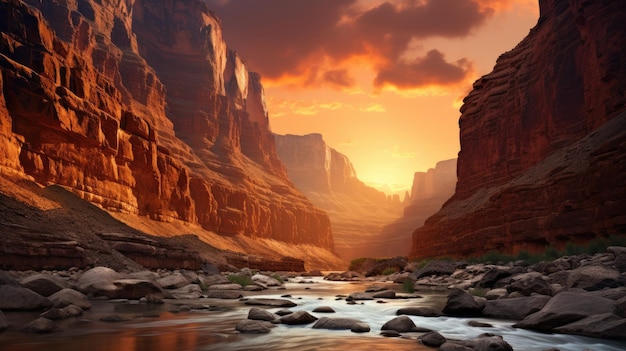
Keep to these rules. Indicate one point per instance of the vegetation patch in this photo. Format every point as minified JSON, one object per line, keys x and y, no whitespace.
{"x":390,"y":270}
{"x":240,"y":279}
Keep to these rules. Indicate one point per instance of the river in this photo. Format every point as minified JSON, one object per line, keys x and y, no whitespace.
{"x":155,"y":328}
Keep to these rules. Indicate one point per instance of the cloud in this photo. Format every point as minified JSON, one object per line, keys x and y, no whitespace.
{"x":281,"y":107}
{"x":312,"y":43}
{"x":429,"y":70}
{"x":373,"y":108}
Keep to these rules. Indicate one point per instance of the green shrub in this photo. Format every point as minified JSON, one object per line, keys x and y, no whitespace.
{"x":390,"y":270}
{"x":356,"y":263}
{"x":242,"y":280}
{"x":408,"y":286}
{"x":480,"y":292}
{"x":279,"y":278}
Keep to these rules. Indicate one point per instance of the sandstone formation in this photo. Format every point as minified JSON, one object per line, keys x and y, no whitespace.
{"x":327,"y":177}
{"x":542,"y":141}
{"x":139,"y":107}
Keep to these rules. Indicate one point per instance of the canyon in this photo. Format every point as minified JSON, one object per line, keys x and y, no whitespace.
{"x":542,"y":138}
{"x":357,"y":212}
{"x":139,"y":107}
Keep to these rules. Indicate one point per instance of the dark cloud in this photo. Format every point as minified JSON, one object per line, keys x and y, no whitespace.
{"x":429,"y":70}
{"x":296,"y":38}
{"x":338,"y":77}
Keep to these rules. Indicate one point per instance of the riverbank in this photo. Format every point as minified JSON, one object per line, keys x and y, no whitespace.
{"x":452,"y":305}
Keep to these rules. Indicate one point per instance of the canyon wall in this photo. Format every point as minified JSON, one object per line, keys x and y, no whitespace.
{"x":138,"y":106}
{"x":542,"y":141}
{"x":327,"y":177}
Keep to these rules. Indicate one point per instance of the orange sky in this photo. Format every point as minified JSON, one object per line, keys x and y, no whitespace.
{"x":382,"y":81}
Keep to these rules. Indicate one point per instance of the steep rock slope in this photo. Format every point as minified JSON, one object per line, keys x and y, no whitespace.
{"x":542,"y":151}
{"x":357,"y":212}
{"x":138,"y":106}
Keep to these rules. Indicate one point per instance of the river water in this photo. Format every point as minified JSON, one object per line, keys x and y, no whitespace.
{"x":154,"y":328}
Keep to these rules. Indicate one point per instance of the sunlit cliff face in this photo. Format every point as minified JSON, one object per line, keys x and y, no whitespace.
{"x":381,"y":80}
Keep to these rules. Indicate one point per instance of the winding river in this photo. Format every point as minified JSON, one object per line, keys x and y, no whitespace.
{"x":155,"y":328}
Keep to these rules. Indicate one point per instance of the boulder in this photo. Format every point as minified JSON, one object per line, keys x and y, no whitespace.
{"x":261,"y":315}
{"x":7,"y":279}
{"x":620,"y":308}
{"x":133,"y":289}
{"x":493,"y":275}
{"x":592,"y":278}
{"x":271,"y":302}
{"x":565,"y":308}
{"x":400,"y":324}
{"x":191,"y":291}
{"x":385,"y":294}
{"x":72,"y":310}
{"x":335,"y":323}
{"x":432,"y":339}
{"x":18,"y":298}
{"x":454,"y":346}
{"x":54,"y":314}
{"x":40,"y":325}
{"x":173,"y":281}
{"x":488,"y":342}
{"x":355,"y":296}
{"x":529,"y":283}
{"x":98,"y":281}
{"x":422,"y":311}
{"x":66,"y":297}
{"x":214,"y":279}
{"x":360,"y":328}
{"x":515,"y":308}
{"x":607,"y":325}
{"x":224,"y":294}
{"x":283,"y":312}
{"x":620,"y":257}
{"x":298,"y":317}
{"x":44,"y":284}
{"x":254,"y":326}
{"x":324,"y":309}
{"x":497,"y":293}
{"x":461,"y":304}
{"x":265,"y":280}
{"x":436,"y":268}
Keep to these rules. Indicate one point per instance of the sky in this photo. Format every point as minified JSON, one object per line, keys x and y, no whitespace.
{"x":382,"y":81}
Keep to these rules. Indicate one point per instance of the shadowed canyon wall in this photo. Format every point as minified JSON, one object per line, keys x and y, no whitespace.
{"x":327,"y":177}
{"x":542,"y":158}
{"x":138,"y":106}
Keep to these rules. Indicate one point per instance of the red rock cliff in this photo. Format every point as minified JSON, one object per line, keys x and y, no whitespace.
{"x":532,"y":170}
{"x":138,"y":106}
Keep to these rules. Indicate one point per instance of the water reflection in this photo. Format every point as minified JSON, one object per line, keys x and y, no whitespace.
{"x":153,"y":328}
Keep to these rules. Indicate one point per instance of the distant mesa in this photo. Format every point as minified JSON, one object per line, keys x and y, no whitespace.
{"x":543,"y":135}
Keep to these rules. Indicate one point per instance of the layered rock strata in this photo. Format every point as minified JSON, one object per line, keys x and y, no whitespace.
{"x":542,"y":140}
{"x":138,"y":106}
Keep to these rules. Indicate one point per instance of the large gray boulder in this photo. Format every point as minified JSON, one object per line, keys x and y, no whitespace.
{"x":224,"y":294}
{"x":21,"y":299}
{"x":592,"y":278}
{"x":432,"y":339}
{"x":461,"y":304}
{"x":40,"y":325}
{"x":336,"y":323}
{"x":400,"y":324}
{"x":98,"y":281}
{"x":261,"y":315}
{"x":254,"y":326}
{"x":565,"y":308}
{"x":620,"y":257}
{"x":44,"y":284}
{"x":173,"y":281}
{"x":529,"y":283}
{"x":66,"y":297}
{"x":297,"y":318}
{"x":190,"y":291}
{"x":134,"y":289}
{"x":607,"y":325}
{"x":515,"y":308}
{"x":422,"y":311}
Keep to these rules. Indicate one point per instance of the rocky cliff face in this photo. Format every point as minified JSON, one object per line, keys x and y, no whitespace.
{"x":327,"y":177}
{"x":138,"y":106}
{"x":532,"y":170}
